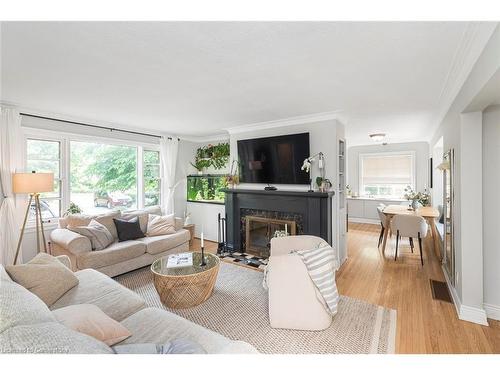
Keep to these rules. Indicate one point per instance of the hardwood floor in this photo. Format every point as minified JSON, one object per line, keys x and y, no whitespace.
{"x":424,"y":324}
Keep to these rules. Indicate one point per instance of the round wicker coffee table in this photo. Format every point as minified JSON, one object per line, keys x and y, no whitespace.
{"x":180,"y":288}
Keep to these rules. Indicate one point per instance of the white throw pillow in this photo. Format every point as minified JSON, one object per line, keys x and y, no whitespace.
{"x":160,"y":225}
{"x":100,"y":237}
{"x":92,"y":321}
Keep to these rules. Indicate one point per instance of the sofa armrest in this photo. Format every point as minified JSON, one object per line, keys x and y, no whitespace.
{"x":179,"y":223}
{"x":64,"y":259}
{"x":72,"y":242}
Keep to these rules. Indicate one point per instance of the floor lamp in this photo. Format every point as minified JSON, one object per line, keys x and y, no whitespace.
{"x":33,"y":184}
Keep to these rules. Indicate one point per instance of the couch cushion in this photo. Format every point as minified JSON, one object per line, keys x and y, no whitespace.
{"x":18,"y":306}
{"x":95,"y":288}
{"x":44,"y":276}
{"x":158,"y":326}
{"x":128,"y":229}
{"x":80,"y":220}
{"x":160,"y":225}
{"x":159,"y":244}
{"x":115,"y":253}
{"x":100,"y":237}
{"x":91,"y":320}
{"x":143,"y":217}
{"x":107,"y":221}
{"x":49,"y":338}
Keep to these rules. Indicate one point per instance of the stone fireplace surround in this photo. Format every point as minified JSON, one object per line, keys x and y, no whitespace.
{"x":312,"y":212}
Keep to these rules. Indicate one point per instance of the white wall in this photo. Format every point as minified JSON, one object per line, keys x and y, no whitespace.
{"x":468,"y":290}
{"x":491,"y":209}
{"x":204,"y":215}
{"x":421,"y":150}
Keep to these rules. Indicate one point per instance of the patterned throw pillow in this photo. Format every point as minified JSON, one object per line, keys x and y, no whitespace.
{"x":100,"y":237}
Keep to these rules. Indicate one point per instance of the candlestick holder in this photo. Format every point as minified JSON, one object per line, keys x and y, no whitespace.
{"x":203,"y":263}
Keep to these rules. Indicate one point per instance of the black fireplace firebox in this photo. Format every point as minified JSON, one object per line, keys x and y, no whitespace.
{"x":311,"y":211}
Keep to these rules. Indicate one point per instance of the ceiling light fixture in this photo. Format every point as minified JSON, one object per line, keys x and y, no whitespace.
{"x":377,"y":137}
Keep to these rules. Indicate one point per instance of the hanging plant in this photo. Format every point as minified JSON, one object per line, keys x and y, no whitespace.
{"x":216,"y":156}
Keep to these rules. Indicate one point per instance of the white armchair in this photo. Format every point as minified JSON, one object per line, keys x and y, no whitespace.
{"x":294,"y":301}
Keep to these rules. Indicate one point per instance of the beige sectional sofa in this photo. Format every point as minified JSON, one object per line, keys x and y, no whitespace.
{"x":27,"y":324}
{"x":119,"y":257}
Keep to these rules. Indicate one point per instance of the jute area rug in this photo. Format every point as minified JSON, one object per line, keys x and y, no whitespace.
{"x":238,"y":310}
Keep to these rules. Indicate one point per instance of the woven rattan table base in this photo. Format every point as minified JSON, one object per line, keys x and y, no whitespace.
{"x":180,"y":292}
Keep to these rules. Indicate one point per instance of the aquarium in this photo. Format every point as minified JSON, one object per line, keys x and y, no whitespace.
{"x":206,"y":188}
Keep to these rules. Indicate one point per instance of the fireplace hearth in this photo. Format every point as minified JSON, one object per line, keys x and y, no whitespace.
{"x":257,"y":231}
{"x":254,"y":216}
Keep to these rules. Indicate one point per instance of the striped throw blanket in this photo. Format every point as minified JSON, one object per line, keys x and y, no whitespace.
{"x":321,"y":263}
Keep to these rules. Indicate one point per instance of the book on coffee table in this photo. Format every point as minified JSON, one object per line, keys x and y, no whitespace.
{"x":180,"y":260}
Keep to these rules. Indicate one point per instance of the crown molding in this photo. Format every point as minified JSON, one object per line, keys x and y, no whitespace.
{"x":474,"y":40}
{"x":316,"y":117}
{"x":205,"y":139}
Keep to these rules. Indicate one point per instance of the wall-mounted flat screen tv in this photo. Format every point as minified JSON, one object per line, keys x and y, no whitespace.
{"x":274,"y":160}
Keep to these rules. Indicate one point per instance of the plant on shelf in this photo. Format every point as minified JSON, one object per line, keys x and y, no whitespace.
{"x":215,"y":156}
{"x":73,"y":209}
{"x":416,"y":198}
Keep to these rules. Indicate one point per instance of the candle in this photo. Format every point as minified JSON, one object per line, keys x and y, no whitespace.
{"x":286,"y":228}
{"x":202,"y":237}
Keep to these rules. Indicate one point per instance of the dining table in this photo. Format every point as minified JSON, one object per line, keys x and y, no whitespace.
{"x":430,"y":214}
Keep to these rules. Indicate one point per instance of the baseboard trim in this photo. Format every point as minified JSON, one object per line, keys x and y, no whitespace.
{"x":363,"y":220}
{"x":492,"y":311}
{"x":464,"y":312}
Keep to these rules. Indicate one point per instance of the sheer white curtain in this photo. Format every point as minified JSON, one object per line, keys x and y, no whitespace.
{"x":10,"y":150}
{"x":169,"y":147}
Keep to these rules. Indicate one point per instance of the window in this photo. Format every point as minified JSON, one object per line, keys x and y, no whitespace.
{"x":151,"y":175}
{"x":103,"y":176}
{"x":45,"y":156}
{"x":386,"y":174}
{"x":96,"y":174}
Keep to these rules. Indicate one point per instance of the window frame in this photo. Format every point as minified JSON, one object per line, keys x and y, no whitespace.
{"x":62,"y":169}
{"x":412,"y":154}
{"x":65,"y":138}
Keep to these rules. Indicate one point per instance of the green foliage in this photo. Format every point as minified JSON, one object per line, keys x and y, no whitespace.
{"x":206,"y":188}
{"x":216,"y":156}
{"x":73,"y":209}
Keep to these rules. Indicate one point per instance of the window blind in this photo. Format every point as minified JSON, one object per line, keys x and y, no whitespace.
{"x":387,"y":169}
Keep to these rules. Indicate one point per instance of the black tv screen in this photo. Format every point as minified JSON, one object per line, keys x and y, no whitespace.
{"x":274,"y":160}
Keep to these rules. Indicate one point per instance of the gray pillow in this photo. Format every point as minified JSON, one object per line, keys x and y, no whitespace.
{"x":100,"y":237}
{"x":177,"y":346}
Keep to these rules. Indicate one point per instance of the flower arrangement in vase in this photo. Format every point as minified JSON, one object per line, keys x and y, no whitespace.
{"x":416,"y":198}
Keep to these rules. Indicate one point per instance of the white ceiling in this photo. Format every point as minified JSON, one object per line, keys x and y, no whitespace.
{"x":198,"y":78}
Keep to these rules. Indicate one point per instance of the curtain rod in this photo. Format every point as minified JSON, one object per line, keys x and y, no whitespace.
{"x":94,"y":126}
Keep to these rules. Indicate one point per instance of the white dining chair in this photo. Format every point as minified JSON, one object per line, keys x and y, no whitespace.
{"x":410,"y":226}
{"x":383,"y":222}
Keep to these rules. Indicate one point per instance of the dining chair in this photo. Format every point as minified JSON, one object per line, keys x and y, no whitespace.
{"x":383,"y":222}
{"x":410,"y":226}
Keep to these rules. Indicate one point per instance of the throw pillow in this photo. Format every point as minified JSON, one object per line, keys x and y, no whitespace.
{"x":128,"y":230}
{"x":44,"y":276}
{"x":160,"y":225}
{"x":99,"y":236}
{"x":177,"y":346}
{"x":92,"y":321}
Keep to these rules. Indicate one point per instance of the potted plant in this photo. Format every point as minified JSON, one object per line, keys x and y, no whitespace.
{"x":72,"y":209}
{"x":233,"y":177}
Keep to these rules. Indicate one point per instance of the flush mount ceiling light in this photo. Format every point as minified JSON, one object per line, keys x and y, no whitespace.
{"x":377,"y":137}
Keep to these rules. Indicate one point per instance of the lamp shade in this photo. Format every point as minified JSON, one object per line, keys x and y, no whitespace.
{"x":25,"y":183}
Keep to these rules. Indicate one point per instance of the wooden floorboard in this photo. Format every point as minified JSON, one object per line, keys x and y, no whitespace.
{"x":424,"y":325}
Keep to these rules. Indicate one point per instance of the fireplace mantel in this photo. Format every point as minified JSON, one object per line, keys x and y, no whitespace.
{"x":315,"y":208}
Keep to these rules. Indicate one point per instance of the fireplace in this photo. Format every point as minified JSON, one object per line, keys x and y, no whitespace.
{"x":259,"y":230}
{"x":268,"y":211}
